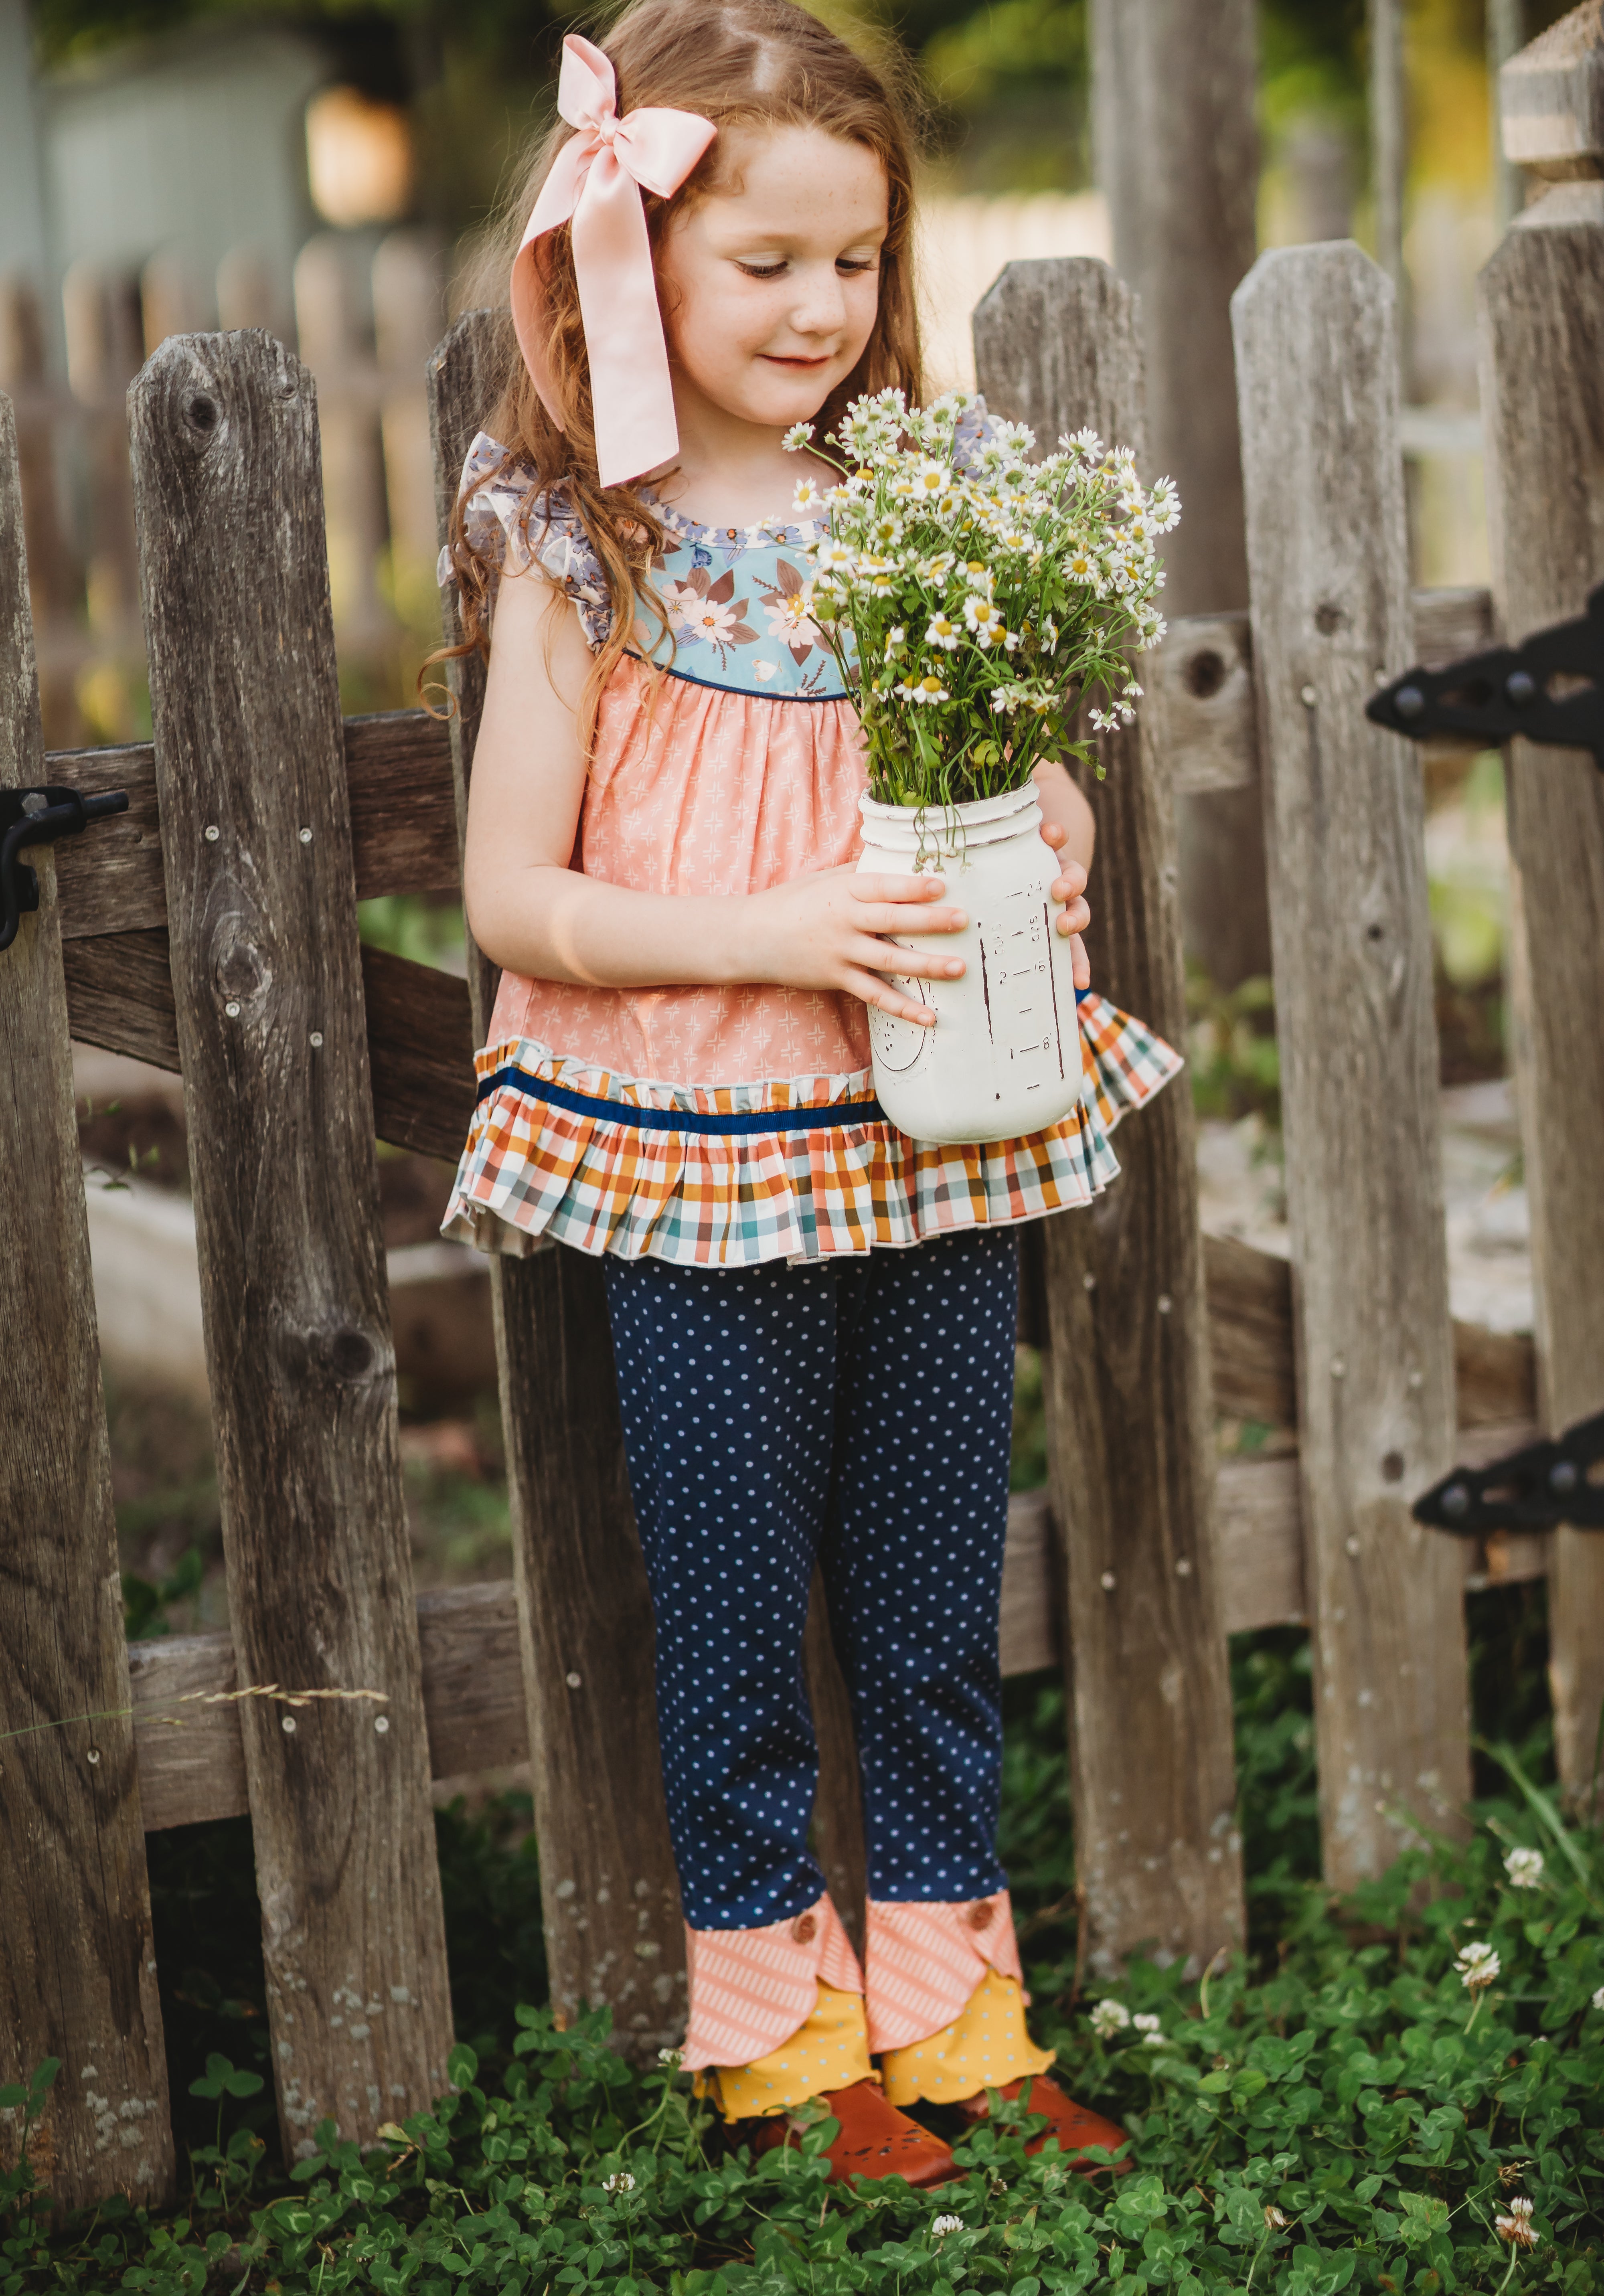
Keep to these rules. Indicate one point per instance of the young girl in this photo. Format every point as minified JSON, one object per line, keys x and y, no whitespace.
{"x":812,"y":1316}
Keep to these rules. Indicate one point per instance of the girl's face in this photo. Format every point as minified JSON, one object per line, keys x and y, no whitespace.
{"x":770,"y":284}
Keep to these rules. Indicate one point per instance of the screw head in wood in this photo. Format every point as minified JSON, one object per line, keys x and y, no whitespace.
{"x":93,"y":1754}
{"x":1350,"y":1547}
{"x":1184,"y":1566}
{"x":305,"y":835}
{"x":287,"y":1725}
{"x":1106,"y":1582}
{"x":1164,"y":1303}
{"x":1090,"y":1282}
{"x":1338,"y":1367}
{"x":212,"y":833}
{"x":1308,"y":697}
{"x":232,"y":1008}
{"x":316,"y":1040}
{"x":572,"y":1680}
{"x":380,"y":1725}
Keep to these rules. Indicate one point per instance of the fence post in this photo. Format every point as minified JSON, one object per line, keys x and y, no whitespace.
{"x":261,"y":914}
{"x":613,"y":1928}
{"x":1130,"y":1429}
{"x":1317,"y":370}
{"x":1542,"y":297}
{"x":78,"y":1970}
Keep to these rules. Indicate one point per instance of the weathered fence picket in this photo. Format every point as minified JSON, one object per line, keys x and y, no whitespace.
{"x":264,"y":953}
{"x":1131,"y":1444}
{"x":1542,"y":297}
{"x":77,"y":1972}
{"x":1317,"y":370}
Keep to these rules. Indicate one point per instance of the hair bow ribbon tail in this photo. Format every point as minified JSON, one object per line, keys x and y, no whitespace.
{"x":595,"y":184}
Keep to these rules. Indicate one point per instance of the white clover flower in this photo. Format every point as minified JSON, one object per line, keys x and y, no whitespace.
{"x":1598,"y":1999}
{"x":1517,"y":2226}
{"x":621,"y":2181}
{"x":1524,"y":1869}
{"x":1147,"y":2024}
{"x":1477,"y":1966}
{"x":1275,"y":2220}
{"x":796,"y":438}
{"x":1109,"y":2016}
{"x":1152,"y":2040}
{"x":944,"y":632}
{"x":671,"y":2058}
{"x":943,"y":2225}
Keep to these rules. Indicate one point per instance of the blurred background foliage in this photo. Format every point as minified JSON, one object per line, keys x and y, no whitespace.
{"x":1005,"y":87}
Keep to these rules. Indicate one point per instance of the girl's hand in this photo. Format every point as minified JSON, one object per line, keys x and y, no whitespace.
{"x":824,"y":931}
{"x":1069,"y":888}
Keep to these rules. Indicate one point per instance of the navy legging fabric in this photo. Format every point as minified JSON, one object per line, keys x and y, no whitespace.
{"x":858,"y":1412}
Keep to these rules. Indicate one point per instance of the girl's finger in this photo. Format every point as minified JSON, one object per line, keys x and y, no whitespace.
{"x":923,"y":964}
{"x":890,"y":920}
{"x":1074,"y":918}
{"x":875,"y":991}
{"x":897,"y":889}
{"x":1080,"y":963}
{"x":1054,"y":833}
{"x":1070,"y":881}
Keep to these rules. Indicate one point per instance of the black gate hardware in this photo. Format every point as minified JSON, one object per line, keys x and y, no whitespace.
{"x":1490,"y":698}
{"x":1533,"y":1489}
{"x":38,"y":817}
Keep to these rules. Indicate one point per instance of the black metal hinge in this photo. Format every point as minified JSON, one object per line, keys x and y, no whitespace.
{"x":1536,"y":1489}
{"x":38,"y":817}
{"x":1550,"y":690}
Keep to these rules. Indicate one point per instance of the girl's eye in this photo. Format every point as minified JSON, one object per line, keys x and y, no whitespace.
{"x":762,"y":270}
{"x":853,"y":264}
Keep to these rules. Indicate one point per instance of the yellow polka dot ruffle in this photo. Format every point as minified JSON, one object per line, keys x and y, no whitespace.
{"x":987,"y":2046}
{"x":830,"y":2050}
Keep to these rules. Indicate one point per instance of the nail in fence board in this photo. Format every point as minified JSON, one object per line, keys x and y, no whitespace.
{"x":77,"y":1972}
{"x":1543,"y":394}
{"x":1317,"y":371}
{"x":613,"y":1928}
{"x":1130,"y":1431}
{"x":269,"y":1009}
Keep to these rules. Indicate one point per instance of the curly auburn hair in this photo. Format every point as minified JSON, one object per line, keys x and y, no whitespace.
{"x":739,"y":63}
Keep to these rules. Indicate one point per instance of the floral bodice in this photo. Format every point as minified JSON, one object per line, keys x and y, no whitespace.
{"x":734,"y":596}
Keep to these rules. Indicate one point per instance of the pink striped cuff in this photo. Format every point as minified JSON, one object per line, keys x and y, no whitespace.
{"x":750,"y":1989}
{"x":925,"y":1961}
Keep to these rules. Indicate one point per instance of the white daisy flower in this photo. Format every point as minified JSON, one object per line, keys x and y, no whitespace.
{"x":985,"y":621}
{"x":796,"y":438}
{"x":897,"y":643}
{"x":806,"y":498}
{"x":928,"y":689}
{"x":944,"y":632}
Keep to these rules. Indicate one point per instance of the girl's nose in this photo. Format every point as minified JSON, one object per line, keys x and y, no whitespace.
{"x":820,"y":308}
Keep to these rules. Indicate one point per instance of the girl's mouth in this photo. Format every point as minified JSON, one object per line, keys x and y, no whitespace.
{"x":784,"y":359}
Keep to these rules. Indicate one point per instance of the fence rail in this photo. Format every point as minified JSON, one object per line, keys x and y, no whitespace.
{"x":212,"y":930}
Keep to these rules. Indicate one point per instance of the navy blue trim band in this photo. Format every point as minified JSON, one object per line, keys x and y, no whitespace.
{"x":717,"y":685}
{"x":836,"y":1116}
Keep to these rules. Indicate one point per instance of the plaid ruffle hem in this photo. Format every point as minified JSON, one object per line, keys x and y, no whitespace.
{"x":730,"y":1176}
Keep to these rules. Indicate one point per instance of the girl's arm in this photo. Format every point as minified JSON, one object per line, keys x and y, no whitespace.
{"x":532,"y":913}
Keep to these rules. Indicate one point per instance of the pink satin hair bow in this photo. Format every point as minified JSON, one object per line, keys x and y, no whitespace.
{"x":596,"y":182}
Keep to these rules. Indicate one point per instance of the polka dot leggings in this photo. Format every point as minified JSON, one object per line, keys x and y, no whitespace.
{"x":858,"y":1413}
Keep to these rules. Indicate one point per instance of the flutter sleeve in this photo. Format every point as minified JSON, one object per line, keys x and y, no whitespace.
{"x":510,"y":522}
{"x":976,"y":430}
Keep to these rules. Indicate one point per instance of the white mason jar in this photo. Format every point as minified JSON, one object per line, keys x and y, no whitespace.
{"x":1004,"y":1056}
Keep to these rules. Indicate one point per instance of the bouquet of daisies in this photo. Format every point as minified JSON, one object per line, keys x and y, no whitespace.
{"x":976,"y":601}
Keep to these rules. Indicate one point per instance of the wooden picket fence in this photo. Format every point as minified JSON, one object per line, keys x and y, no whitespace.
{"x":212,"y":930}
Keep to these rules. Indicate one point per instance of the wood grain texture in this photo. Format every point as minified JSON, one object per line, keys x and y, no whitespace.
{"x":613,"y":1927}
{"x":268,"y":990}
{"x":119,"y":995}
{"x":78,"y":1972}
{"x":1317,"y":368}
{"x":1130,"y":1430}
{"x":1177,"y":78}
{"x":403,"y":822}
{"x":1541,"y":317}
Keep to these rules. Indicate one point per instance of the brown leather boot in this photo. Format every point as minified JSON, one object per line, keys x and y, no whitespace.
{"x":1072,"y":2124}
{"x":875,"y":2139}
